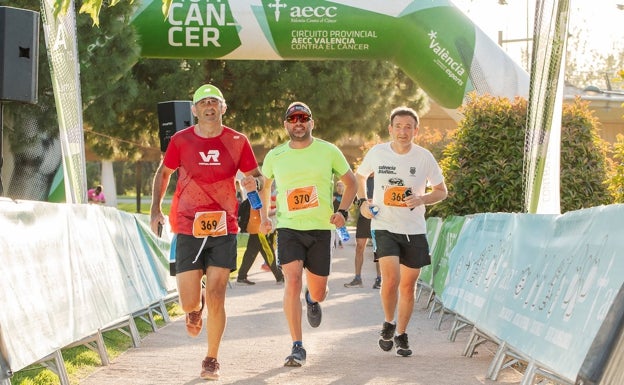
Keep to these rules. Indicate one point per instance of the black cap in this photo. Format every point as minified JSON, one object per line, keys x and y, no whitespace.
{"x":297,"y":107}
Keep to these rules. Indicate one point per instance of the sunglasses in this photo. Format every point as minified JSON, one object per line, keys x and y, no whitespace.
{"x":299,"y":117}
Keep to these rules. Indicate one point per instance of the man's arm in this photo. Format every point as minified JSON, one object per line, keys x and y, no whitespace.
{"x":255,"y":181}
{"x":437,"y":194}
{"x":364,"y":206}
{"x":159,"y":188}
{"x":348,"y":195}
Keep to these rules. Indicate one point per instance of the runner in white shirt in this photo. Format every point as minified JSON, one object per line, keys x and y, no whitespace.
{"x":403,"y":170}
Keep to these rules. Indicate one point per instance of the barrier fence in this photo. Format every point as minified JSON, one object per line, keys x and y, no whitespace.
{"x":545,"y":288}
{"x":540,"y":286}
{"x":69,"y":272}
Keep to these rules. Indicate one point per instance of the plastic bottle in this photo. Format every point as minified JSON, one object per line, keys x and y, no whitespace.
{"x":374,"y":209}
{"x":343,"y":233}
{"x":254,"y":199}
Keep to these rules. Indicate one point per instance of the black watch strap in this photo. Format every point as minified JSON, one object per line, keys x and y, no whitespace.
{"x":344,"y":213}
{"x":360,"y":201}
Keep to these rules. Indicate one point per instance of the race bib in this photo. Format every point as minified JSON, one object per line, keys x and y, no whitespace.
{"x":395,"y":196}
{"x":302,"y":198}
{"x":209,"y":224}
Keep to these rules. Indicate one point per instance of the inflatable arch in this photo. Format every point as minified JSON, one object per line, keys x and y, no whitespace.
{"x":432,"y":41}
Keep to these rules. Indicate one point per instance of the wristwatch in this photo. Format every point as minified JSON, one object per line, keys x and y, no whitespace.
{"x":344,"y":213}
{"x":360,"y":201}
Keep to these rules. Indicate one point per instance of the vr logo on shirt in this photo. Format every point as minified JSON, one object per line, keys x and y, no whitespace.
{"x":211,"y":158}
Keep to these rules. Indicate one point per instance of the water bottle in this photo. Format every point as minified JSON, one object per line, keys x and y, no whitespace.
{"x":254,"y":199}
{"x":343,"y":233}
{"x":374,"y":209}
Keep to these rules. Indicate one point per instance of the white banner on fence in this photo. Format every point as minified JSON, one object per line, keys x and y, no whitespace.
{"x":542,"y":283}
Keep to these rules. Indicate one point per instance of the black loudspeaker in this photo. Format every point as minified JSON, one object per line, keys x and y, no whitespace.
{"x":19,"y":54}
{"x":173,"y":116}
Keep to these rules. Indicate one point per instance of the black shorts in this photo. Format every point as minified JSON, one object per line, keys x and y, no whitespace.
{"x":218,"y":251}
{"x":362,"y":228}
{"x":412,"y":249}
{"x":313,"y":247}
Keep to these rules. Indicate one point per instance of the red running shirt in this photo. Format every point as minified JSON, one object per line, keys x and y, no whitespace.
{"x":207,"y":170}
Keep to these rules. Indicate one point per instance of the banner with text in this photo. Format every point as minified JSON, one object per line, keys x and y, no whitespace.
{"x":542,"y":283}
{"x":433,"y":42}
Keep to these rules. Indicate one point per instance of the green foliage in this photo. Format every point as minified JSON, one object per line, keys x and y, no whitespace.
{"x":616,"y":182}
{"x":583,"y":159}
{"x":338,"y":92}
{"x":483,"y":166}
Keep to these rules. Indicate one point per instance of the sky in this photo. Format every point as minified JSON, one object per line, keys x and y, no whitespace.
{"x":600,"y":23}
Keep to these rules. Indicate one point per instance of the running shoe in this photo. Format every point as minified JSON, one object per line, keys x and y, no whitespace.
{"x":402,"y":346}
{"x":210,"y":369}
{"x":357,"y":282}
{"x":385,"y":337}
{"x":377,"y":284}
{"x":314,"y":312}
{"x":297,"y":357}
{"x":244,"y":282}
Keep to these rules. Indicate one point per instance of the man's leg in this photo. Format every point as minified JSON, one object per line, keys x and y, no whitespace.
{"x":189,"y":290}
{"x":406,"y":306}
{"x":317,"y":286}
{"x":360,"y":246}
{"x":390,"y":276}
{"x":190,"y":293}
{"x":253,"y":247}
{"x":409,"y":276}
{"x":390,"y":273}
{"x":293,"y":274}
{"x":216,"y":284}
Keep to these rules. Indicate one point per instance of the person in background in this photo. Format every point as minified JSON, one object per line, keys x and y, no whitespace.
{"x":96,"y":195}
{"x":362,"y":235}
{"x":271,"y":237}
{"x":303,"y":169}
{"x":255,"y":246}
{"x":204,"y":208}
{"x":402,"y":173}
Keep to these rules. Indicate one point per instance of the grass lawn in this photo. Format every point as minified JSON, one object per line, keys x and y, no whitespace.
{"x":128,"y":203}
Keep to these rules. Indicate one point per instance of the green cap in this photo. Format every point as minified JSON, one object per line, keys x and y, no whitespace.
{"x":207,"y":91}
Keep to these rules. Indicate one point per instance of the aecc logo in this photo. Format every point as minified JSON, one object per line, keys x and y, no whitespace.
{"x":319,"y":12}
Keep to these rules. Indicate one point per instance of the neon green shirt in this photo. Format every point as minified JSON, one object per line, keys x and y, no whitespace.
{"x":304,"y":183}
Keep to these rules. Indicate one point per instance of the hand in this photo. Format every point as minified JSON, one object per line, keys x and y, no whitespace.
{"x":412,"y":201}
{"x":266,"y":226}
{"x":337,"y":220}
{"x":249,"y":183}
{"x":157,"y":222}
{"x":365,"y":210}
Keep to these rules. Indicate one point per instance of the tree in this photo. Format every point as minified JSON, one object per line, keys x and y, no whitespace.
{"x":616,"y":182}
{"x":120,"y":91}
{"x":483,"y":165}
{"x":339,"y":93}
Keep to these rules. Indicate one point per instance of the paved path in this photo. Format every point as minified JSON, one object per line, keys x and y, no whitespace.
{"x":343,"y":350}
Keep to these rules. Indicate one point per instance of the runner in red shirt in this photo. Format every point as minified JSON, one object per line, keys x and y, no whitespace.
{"x":203,"y":215}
